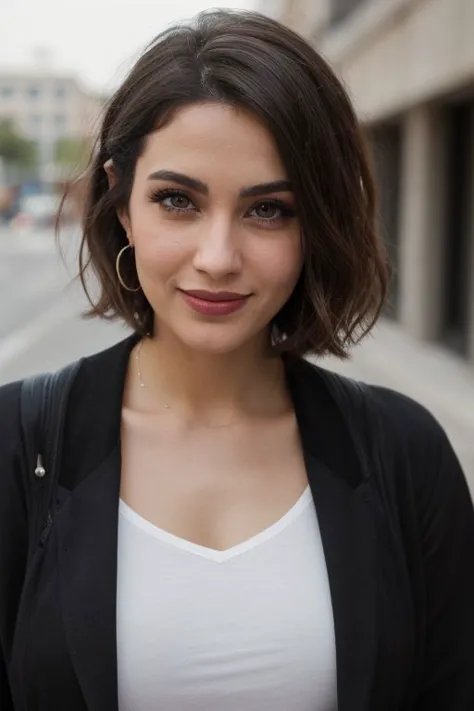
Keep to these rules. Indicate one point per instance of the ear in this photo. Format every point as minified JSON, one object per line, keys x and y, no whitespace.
{"x":110,"y":170}
{"x":122,"y":213}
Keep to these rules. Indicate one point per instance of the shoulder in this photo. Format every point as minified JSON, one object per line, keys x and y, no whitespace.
{"x":419,"y":466}
{"x":421,"y":452}
{"x":406,"y":419}
{"x":10,"y":436}
{"x":14,"y":507}
{"x":10,"y":395}
{"x":400,"y":416}
{"x":13,"y":492}
{"x":409,"y":437}
{"x":415,"y":449}
{"x":399,"y":419}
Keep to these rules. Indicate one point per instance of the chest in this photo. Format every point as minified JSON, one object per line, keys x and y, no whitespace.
{"x":214,"y":486}
{"x":65,"y":643}
{"x":251,"y":627}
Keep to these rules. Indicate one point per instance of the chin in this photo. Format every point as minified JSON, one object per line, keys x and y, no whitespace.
{"x":214,"y":347}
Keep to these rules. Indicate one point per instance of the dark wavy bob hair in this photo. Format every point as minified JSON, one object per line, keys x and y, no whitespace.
{"x":247,"y":60}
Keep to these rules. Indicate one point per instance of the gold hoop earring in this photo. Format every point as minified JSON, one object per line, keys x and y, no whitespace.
{"x":117,"y":269}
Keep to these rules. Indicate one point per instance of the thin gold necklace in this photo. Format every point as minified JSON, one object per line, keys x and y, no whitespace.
{"x":139,"y":371}
{"x":165,"y":405}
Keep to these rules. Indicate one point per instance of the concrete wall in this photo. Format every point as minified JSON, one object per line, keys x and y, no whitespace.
{"x":471,"y":255}
{"x":303,"y":17}
{"x":422,"y":222}
{"x":394,"y":54}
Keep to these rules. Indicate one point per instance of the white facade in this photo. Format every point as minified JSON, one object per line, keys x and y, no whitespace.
{"x":298,"y":15}
{"x":46,"y":107}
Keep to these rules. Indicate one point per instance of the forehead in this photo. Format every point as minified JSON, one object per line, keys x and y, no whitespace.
{"x":205,"y":139}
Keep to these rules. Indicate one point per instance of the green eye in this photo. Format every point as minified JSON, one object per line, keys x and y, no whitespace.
{"x":173,"y":200}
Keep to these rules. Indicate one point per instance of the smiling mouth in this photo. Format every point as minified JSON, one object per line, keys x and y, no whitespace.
{"x":214,"y":303}
{"x":215,"y":295}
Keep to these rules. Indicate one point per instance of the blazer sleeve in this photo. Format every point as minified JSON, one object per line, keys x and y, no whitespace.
{"x":436,"y":513}
{"x":446,"y":523}
{"x":13,"y":529}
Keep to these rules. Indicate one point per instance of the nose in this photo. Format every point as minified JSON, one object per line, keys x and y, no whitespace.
{"x":218,"y":253}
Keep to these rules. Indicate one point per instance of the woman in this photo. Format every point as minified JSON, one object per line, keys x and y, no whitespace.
{"x":234,"y":527}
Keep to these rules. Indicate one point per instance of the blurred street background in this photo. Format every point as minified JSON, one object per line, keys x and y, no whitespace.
{"x":409,"y":67}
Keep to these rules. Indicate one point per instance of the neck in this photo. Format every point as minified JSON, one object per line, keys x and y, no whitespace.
{"x":248,"y":381}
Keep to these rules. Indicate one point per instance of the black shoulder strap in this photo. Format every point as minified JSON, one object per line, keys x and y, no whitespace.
{"x":43,"y":407}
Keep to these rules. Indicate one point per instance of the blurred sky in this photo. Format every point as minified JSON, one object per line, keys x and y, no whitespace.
{"x":97,"y":40}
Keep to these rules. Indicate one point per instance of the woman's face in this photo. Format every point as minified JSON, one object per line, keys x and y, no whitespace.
{"x":213,"y":222}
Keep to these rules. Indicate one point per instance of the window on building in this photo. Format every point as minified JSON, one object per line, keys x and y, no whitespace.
{"x":35,"y":122}
{"x":6,"y":91}
{"x":60,"y":124}
{"x":386,"y":142}
{"x":33,"y":92}
{"x":340,"y":9}
{"x":458,"y":227}
{"x":60,"y":92}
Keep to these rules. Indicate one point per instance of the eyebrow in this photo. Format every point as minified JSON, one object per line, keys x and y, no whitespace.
{"x":276,"y":186}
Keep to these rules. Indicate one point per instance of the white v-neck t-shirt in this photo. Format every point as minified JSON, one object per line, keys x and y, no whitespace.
{"x":246,"y":629}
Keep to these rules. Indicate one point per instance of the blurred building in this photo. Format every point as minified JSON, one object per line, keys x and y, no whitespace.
{"x":47,"y":107}
{"x":409,"y":67}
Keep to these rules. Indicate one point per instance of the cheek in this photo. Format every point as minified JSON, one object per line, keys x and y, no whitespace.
{"x":280,"y":263}
{"x":158,"y":249}
{"x":157,"y":245}
{"x":161,"y":253}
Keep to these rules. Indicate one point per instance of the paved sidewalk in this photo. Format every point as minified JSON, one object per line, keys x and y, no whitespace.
{"x":429,"y":374}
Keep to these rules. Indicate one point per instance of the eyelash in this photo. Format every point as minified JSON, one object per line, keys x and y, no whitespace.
{"x":161,"y":195}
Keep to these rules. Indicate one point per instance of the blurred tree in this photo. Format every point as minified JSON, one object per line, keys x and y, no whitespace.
{"x":72,"y":153}
{"x":14,"y":148}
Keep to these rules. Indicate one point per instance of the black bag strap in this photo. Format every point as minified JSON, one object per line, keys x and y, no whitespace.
{"x":44,"y":400}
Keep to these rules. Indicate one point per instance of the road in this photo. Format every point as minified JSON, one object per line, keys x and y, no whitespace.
{"x":40,"y":323}
{"x":41,"y":329}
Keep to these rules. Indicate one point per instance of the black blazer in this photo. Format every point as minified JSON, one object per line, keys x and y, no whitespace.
{"x":397,"y":530}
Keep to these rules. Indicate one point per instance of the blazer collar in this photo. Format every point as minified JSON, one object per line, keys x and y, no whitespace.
{"x":88,"y":530}
{"x":343,"y":496}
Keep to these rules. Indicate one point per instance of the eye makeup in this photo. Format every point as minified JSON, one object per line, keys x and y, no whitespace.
{"x":177,"y":201}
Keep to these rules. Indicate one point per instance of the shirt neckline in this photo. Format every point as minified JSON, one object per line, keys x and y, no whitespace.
{"x":210,"y":553}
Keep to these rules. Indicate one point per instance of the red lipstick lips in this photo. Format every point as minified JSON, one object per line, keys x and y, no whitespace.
{"x":214,"y":303}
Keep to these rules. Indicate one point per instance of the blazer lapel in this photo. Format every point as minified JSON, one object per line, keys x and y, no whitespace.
{"x":88,"y":523}
{"x":348,"y":542}
{"x":342,"y":496}
{"x":88,"y":575}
